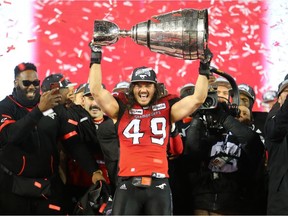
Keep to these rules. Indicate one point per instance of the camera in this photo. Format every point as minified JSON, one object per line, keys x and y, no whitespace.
{"x":211,"y":102}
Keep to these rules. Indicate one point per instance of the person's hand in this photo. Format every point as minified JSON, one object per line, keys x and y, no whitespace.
{"x":97,"y":176}
{"x":49,"y":100}
{"x":204,"y":68}
{"x":96,"y":53}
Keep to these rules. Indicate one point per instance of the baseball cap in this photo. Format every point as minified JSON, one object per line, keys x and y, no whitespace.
{"x":87,"y":89}
{"x":221,"y":81}
{"x":53,"y":78}
{"x":121,"y":85}
{"x":282,"y":86}
{"x":187,"y":89}
{"x":247,"y":90}
{"x":143,"y":74}
{"x":269,"y":95}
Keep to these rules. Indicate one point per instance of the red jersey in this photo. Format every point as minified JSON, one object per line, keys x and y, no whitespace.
{"x":143,"y":136}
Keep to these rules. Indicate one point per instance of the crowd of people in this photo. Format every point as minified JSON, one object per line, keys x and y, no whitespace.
{"x":140,"y":149}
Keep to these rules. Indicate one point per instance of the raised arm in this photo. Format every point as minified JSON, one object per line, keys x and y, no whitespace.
{"x":104,"y":98}
{"x":191,"y":103}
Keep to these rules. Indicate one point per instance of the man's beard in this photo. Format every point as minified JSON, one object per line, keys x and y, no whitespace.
{"x":21,"y":96}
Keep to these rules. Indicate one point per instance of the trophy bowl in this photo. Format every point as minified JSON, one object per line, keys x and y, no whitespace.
{"x":181,"y":34}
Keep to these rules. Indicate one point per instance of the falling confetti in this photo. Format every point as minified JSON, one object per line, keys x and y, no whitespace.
{"x":61,"y":30}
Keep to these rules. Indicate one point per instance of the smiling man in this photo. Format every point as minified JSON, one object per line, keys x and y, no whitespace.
{"x":106,"y":135}
{"x":30,"y":129}
{"x":143,"y":120}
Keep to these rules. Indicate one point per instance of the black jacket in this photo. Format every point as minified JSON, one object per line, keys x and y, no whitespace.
{"x":276,"y":135}
{"x":29,"y":140}
{"x":224,"y":191}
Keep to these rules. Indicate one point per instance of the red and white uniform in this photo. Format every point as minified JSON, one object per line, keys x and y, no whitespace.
{"x":144,"y":135}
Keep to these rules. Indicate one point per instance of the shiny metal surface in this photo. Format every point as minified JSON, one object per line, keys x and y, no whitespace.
{"x":181,"y":34}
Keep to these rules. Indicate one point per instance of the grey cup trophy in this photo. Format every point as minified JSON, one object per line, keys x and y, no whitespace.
{"x":182,"y":34}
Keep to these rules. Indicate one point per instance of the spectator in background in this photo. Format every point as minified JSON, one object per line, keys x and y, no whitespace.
{"x":71,"y":89}
{"x":247,"y":95}
{"x":121,"y":87}
{"x":276,"y":144}
{"x":79,"y":94}
{"x":77,"y":178}
{"x":247,"y":98}
{"x":106,"y":135}
{"x":269,"y":98}
{"x":222,"y":86}
{"x":183,"y":164}
{"x":31,"y":125}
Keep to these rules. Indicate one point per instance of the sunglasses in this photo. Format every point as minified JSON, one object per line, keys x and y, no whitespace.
{"x":27,"y":83}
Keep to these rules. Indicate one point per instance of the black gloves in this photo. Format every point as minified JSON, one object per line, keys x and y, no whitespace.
{"x":96,"y":54}
{"x":204,"y":68}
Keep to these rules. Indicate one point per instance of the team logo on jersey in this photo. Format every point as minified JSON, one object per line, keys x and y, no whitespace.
{"x":123,"y":187}
{"x":136,"y":112}
{"x":159,"y":107}
{"x":161,"y":186}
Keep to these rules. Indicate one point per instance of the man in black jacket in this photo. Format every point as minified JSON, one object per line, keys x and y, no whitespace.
{"x":106,"y":133}
{"x":31,"y":125}
{"x":276,"y":144}
{"x":229,"y":154}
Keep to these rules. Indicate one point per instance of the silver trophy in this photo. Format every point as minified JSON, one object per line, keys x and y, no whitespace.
{"x":182,"y":34}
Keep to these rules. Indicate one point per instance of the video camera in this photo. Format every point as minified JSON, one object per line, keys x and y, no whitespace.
{"x":212,"y":101}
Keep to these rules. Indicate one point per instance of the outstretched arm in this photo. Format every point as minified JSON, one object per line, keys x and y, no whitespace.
{"x":191,"y":103}
{"x":104,"y":98}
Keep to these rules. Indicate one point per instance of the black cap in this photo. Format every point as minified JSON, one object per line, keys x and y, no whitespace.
{"x":247,"y":90}
{"x":143,"y":74}
{"x":87,"y":89}
{"x":282,"y":86}
{"x":53,"y":78}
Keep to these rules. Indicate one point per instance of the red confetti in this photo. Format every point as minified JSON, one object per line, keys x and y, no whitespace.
{"x":54,"y":207}
{"x":37,"y":184}
{"x":31,"y":40}
{"x":9,"y":48}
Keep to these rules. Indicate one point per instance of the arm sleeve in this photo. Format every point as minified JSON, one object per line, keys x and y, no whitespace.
{"x":250,"y":140}
{"x":175,"y":145}
{"x":13,"y":131}
{"x":74,"y":145}
{"x":276,"y":126}
{"x":243,"y":132}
